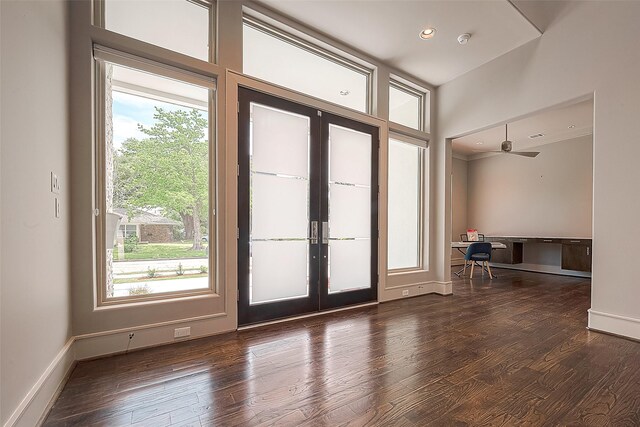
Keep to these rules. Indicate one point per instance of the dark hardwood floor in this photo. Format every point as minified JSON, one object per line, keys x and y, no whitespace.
{"x":509,"y":351}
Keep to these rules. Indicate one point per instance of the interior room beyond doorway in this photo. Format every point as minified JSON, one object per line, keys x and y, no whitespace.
{"x":538,"y":205}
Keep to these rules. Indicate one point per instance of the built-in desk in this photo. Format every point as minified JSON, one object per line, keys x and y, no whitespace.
{"x":576,"y":253}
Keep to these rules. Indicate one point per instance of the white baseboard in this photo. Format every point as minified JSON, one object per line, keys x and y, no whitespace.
{"x":443,"y":288}
{"x":91,"y":346}
{"x":416,"y":289}
{"x":614,"y":324}
{"x":35,"y":405}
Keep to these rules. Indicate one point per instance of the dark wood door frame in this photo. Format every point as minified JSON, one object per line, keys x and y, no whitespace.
{"x":340,"y":299}
{"x":262,"y":312}
{"x":319,"y":298}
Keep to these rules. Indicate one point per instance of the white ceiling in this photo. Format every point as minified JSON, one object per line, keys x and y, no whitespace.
{"x":388,"y":30}
{"x":543,"y":14}
{"x":554,"y":124}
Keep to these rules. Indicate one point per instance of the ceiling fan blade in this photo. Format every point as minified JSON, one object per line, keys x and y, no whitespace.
{"x":525,"y":153}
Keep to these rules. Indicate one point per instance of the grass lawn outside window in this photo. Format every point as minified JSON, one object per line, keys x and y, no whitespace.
{"x":178,"y":250}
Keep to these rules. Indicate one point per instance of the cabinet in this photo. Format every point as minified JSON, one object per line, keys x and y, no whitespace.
{"x":576,"y":255}
{"x":511,"y":255}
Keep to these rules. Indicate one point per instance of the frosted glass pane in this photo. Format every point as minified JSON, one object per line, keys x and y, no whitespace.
{"x":179,"y":25}
{"x":280,"y":141}
{"x":278,"y":61}
{"x":349,"y":264}
{"x":404,"y":108}
{"x":349,"y":156}
{"x":279,"y":207}
{"x":278,"y":270}
{"x":404,"y":205}
{"x":349,"y":211}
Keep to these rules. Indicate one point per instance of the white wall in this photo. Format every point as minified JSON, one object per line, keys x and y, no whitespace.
{"x":35,"y":310}
{"x":547,"y":196}
{"x":570,"y":61}
{"x":458,"y":203}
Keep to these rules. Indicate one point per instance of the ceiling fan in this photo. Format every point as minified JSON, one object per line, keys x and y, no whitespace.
{"x":507,"y":146}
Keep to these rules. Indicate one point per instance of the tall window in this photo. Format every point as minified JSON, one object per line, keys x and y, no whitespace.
{"x":154,"y":167}
{"x":184,"y":26}
{"x":279,"y":58}
{"x":407,"y":106}
{"x":406,"y":195}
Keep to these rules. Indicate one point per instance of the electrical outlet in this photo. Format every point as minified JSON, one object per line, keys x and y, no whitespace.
{"x":182,"y":332}
{"x":405,"y":293}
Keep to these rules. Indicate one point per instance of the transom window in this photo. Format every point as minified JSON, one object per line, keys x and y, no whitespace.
{"x":184,"y":26}
{"x":280,"y":58}
{"x":407,"y":106}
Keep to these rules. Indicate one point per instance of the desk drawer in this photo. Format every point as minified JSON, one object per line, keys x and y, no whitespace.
{"x":576,"y":241}
{"x":547,"y":240}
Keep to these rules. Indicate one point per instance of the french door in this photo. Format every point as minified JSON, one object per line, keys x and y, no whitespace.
{"x":307,"y":209}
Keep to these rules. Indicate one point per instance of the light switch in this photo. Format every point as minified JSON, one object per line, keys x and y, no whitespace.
{"x":55,"y":183}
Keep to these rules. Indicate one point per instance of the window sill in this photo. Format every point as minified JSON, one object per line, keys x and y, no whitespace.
{"x":128,"y":303}
{"x":400,"y":272}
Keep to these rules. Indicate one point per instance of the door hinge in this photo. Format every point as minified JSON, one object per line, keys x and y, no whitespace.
{"x":238,"y":108}
{"x":238,"y":296}
{"x":238,"y":169}
{"x":237,"y":233}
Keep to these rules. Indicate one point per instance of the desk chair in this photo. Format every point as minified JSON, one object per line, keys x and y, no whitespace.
{"x":478,"y":252}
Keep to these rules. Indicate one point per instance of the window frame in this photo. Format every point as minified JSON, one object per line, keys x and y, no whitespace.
{"x":420,"y":94}
{"x":306,"y":45}
{"x":99,"y":21}
{"x":100,"y":56}
{"x":422,"y":192}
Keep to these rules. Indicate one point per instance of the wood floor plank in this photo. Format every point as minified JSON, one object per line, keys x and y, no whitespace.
{"x":508,"y":351}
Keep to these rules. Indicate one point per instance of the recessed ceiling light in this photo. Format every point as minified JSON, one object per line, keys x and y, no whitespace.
{"x":427,"y":33}
{"x":344,"y":92}
{"x":572,"y":126}
{"x":479,"y":143}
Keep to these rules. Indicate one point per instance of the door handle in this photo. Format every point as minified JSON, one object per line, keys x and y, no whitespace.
{"x":325,"y":233}
{"x":314,"y":232}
